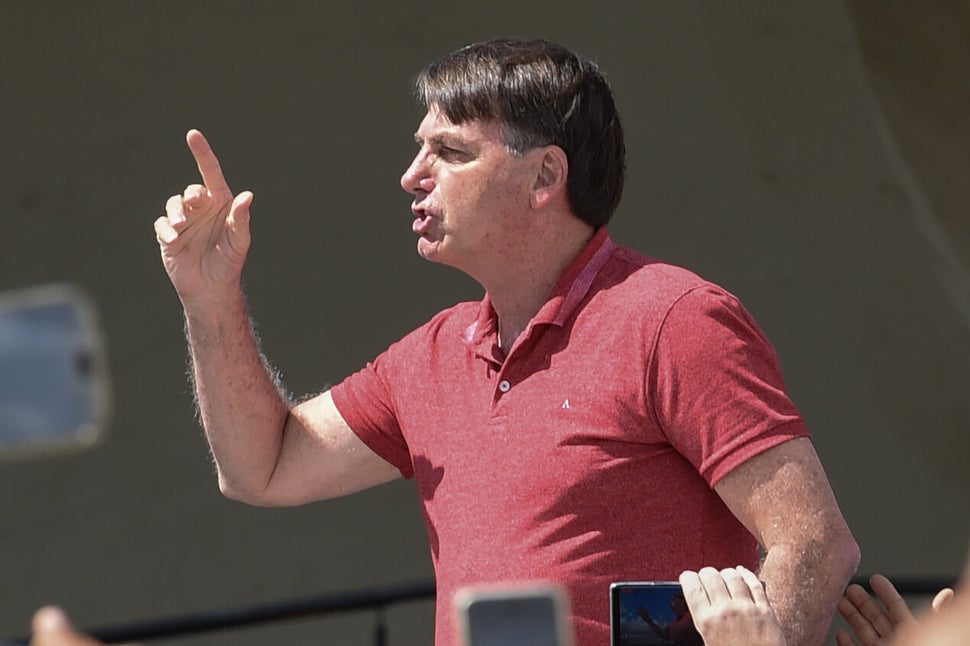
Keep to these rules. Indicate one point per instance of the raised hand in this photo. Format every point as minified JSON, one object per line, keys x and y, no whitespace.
{"x":730,"y":607}
{"x":873,"y":624}
{"x":204,"y":235}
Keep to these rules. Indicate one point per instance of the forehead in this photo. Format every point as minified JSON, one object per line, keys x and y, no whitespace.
{"x":437,"y":127}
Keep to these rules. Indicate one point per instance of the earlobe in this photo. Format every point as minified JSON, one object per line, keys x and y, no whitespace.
{"x":550,"y":176}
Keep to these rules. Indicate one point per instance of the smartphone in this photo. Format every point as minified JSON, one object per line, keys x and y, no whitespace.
{"x":650,"y":612}
{"x":54,"y":391}
{"x":527,"y":615}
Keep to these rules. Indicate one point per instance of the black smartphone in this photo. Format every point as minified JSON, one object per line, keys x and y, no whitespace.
{"x":529,"y":615}
{"x":650,"y":612}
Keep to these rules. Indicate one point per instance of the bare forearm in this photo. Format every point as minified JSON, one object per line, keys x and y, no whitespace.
{"x":240,"y":403}
{"x":804,"y":583}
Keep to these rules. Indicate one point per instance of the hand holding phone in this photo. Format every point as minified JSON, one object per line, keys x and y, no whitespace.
{"x":730,"y":606}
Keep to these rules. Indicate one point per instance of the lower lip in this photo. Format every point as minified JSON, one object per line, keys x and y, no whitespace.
{"x":421,"y":225}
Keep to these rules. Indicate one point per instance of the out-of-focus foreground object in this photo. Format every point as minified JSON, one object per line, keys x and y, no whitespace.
{"x":54,"y":386}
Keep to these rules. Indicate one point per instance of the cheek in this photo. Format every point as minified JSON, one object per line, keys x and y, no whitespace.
{"x":487,"y":199}
{"x":465,"y":195}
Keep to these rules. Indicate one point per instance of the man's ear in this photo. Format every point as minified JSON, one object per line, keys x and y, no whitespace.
{"x":550,"y":181}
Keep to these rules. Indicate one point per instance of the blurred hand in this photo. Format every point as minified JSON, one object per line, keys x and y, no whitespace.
{"x":893,"y":622}
{"x":872,"y":623}
{"x":52,"y":628}
{"x":204,"y":235}
{"x":948,"y":624}
{"x":942,"y":599}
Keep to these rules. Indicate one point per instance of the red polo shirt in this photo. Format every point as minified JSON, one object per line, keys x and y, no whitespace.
{"x":588,"y":454}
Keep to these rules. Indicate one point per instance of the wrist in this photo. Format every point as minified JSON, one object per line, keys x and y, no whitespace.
{"x":215,"y":311}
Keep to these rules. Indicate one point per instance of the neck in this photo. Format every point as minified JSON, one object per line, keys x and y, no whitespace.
{"x":520,"y":291}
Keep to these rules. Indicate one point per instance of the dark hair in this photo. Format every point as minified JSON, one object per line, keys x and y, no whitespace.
{"x":540,"y":93}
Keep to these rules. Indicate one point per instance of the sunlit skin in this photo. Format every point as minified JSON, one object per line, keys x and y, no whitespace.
{"x":501,"y":218}
{"x":470,"y":194}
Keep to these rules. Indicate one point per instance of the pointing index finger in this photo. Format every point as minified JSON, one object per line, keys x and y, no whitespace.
{"x":208,"y":164}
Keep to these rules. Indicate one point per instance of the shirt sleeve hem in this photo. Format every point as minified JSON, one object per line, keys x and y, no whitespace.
{"x":374,"y":442}
{"x":755,"y":446}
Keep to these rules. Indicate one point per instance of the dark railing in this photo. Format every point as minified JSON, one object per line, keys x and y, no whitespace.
{"x":376,"y":599}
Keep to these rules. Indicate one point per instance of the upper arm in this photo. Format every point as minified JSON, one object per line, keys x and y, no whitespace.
{"x":783,"y":497}
{"x":322,"y":457}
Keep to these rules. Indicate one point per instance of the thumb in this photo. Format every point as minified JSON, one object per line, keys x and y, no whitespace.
{"x":239,"y":212}
{"x":50,"y":619}
{"x":52,"y":628}
{"x":942,"y":599}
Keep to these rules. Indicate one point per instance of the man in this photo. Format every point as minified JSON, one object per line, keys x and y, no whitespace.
{"x":598,"y":416}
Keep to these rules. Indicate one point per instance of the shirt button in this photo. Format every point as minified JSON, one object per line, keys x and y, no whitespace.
{"x":504,"y":386}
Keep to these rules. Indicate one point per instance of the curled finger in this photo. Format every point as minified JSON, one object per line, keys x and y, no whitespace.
{"x":194,"y":194}
{"x":164,"y":231}
{"x":174,"y":209}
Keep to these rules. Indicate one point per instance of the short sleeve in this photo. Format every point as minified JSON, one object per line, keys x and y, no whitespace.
{"x":365,"y":402}
{"x":717,"y":387}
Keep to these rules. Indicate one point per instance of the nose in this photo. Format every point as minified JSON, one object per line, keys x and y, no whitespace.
{"x":417,"y":178}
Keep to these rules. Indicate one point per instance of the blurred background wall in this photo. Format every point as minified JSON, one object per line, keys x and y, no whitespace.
{"x":811,"y":157}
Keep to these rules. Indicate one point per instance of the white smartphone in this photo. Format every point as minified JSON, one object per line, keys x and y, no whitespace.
{"x":54,"y":390}
{"x":527,"y":615}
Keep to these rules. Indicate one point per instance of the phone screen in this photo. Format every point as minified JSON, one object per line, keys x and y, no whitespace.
{"x":53,"y":388}
{"x":650,"y":612}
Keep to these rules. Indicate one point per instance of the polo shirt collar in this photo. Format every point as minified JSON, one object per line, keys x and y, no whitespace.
{"x":569,"y":292}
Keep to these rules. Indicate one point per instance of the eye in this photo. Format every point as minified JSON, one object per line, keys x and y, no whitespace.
{"x":448,"y":153}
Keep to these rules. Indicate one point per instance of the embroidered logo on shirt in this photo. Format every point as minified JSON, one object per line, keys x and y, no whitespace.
{"x":565,"y":404}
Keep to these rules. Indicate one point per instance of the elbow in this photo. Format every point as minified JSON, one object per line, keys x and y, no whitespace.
{"x":838,"y":554}
{"x":831,"y":553}
{"x":237,"y":492}
{"x":233,"y":491}
{"x":849,"y":554}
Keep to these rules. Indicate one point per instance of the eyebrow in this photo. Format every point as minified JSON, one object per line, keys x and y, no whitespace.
{"x":440,"y":139}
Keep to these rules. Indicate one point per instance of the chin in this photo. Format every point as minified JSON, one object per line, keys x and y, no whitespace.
{"x":428,"y":250}
{"x":432,"y":252}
